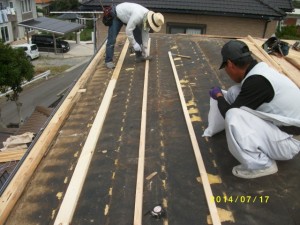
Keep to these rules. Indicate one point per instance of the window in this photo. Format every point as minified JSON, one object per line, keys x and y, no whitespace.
{"x":11,"y":4}
{"x":23,"y":6}
{"x":29,"y":5}
{"x":4,"y":34}
{"x":175,"y":28}
{"x":26,"y":6}
{"x":193,"y":31}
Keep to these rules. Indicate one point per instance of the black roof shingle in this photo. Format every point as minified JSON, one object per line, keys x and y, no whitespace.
{"x":246,"y":8}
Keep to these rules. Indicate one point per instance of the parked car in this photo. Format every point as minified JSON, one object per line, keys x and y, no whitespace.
{"x":46,"y":43}
{"x":31,"y":50}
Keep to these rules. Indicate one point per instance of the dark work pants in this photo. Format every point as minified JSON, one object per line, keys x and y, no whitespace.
{"x":113,"y":32}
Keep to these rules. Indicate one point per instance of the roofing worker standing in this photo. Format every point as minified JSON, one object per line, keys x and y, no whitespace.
{"x":139,"y":22}
{"x":262,"y":131}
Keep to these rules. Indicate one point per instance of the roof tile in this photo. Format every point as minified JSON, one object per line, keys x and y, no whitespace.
{"x":251,"y":8}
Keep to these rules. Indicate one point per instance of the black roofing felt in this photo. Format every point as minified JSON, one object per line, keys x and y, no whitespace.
{"x":245,"y":8}
{"x":108,"y":191}
{"x":51,"y":25}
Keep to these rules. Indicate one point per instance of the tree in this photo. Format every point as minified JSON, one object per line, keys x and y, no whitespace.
{"x":14,"y":70}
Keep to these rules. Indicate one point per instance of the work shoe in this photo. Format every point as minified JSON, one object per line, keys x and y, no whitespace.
{"x":143,"y":58}
{"x":110,"y":65}
{"x":240,"y":171}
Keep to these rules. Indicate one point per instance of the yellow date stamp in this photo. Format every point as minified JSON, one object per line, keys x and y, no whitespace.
{"x":245,"y":199}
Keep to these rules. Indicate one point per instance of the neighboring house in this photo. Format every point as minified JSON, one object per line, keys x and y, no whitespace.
{"x":213,"y":17}
{"x":44,"y":5}
{"x":71,"y":17}
{"x":13,"y":12}
{"x":293,"y":18}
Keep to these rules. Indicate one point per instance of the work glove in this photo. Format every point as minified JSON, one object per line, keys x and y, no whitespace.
{"x":137,"y":47}
{"x":214,"y":91}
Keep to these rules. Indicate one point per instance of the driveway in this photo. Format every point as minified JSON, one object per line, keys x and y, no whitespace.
{"x":77,"y":54}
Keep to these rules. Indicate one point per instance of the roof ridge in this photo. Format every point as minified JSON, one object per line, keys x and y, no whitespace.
{"x":277,"y":10}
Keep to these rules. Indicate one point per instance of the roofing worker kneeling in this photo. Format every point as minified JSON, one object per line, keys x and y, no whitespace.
{"x":263,"y":120}
{"x":139,"y":23}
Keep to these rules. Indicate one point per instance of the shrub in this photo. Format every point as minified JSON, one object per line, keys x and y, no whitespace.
{"x":289,"y":32}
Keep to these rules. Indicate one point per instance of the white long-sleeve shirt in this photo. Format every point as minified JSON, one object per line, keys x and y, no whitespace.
{"x":132,"y":15}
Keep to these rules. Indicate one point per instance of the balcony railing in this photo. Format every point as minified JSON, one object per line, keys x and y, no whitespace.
{"x":7,"y":15}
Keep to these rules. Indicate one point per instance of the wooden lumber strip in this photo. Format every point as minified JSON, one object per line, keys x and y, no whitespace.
{"x":11,"y":155}
{"x":265,"y":54}
{"x":207,"y":188}
{"x":138,"y":208}
{"x":286,"y":65}
{"x":16,"y":186}
{"x":294,"y":62}
{"x":182,"y":56}
{"x":69,"y":203}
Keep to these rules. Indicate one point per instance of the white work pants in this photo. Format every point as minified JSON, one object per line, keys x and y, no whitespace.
{"x":254,"y":142}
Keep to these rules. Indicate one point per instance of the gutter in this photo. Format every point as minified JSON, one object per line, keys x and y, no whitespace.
{"x":265,"y":28}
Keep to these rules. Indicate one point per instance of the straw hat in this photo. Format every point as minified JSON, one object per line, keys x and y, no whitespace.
{"x":155,"y":20}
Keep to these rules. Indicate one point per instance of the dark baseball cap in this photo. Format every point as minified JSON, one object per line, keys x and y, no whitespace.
{"x":234,"y":50}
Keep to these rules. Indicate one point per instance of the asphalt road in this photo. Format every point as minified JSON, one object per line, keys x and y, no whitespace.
{"x":40,"y":93}
{"x":44,"y":92}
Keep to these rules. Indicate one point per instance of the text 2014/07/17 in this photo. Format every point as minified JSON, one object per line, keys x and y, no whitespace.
{"x":240,"y":199}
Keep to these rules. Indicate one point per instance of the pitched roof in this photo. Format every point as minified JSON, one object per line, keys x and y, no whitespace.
{"x":69,"y":16}
{"x":285,"y":5}
{"x":245,"y":8}
{"x":36,"y":120}
{"x":171,"y":174}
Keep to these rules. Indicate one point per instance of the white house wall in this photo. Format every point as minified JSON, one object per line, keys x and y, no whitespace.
{"x":17,"y":32}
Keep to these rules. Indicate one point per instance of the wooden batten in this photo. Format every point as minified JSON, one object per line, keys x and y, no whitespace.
{"x":11,"y":155}
{"x":287,"y":65}
{"x":67,"y":208}
{"x":16,"y":186}
{"x":201,"y":167}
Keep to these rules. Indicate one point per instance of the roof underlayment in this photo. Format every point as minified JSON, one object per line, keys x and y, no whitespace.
{"x":171,"y":174}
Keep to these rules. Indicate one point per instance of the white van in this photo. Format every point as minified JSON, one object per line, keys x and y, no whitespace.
{"x":31,"y":50}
